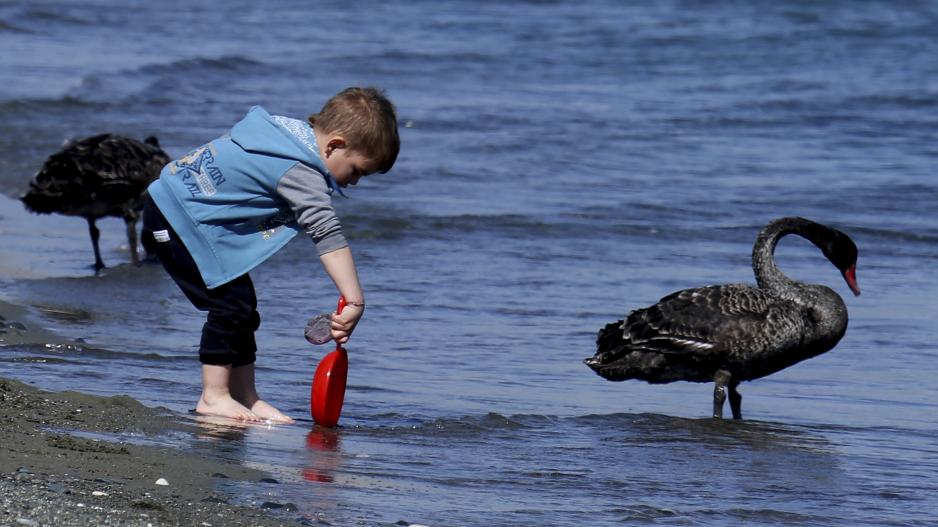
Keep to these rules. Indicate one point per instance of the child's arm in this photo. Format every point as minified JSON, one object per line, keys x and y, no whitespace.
{"x":340,"y":266}
{"x":307,"y":193}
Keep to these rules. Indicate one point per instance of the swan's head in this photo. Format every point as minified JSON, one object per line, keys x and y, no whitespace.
{"x":842,"y":252}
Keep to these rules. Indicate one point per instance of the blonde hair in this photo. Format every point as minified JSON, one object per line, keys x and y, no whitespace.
{"x":367,"y":120}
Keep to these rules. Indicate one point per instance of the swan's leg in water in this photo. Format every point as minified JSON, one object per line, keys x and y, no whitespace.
{"x":736,"y":400}
{"x":720,"y":380}
{"x":95,"y":234}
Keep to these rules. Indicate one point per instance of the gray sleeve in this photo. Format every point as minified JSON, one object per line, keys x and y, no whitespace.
{"x":307,"y":193}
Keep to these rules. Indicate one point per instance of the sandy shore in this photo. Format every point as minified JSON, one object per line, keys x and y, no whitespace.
{"x":49,"y":476}
{"x":52,"y":476}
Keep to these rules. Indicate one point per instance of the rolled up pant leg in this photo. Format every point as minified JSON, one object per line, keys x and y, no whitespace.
{"x":228,"y":333}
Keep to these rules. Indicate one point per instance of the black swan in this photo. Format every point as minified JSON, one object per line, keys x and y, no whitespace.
{"x":102,"y":175}
{"x":734,"y":332}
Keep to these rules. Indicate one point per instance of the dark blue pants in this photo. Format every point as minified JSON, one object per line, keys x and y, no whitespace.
{"x":228,"y":333}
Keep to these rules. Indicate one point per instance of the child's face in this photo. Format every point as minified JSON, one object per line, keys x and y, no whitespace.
{"x":347,"y":166}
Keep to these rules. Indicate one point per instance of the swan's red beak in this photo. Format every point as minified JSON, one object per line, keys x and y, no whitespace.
{"x":850,"y":275}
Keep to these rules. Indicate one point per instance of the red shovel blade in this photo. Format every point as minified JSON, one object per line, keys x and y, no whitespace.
{"x":328,"y":391}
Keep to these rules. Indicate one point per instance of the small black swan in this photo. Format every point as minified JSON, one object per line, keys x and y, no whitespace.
{"x":734,"y":332}
{"x":102,"y":175}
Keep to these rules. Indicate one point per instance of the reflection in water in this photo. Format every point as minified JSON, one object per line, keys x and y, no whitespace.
{"x":323,"y":453}
{"x":220,"y":428}
{"x":232,"y":439}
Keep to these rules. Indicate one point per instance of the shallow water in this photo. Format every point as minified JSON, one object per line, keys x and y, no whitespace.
{"x":561,"y":165}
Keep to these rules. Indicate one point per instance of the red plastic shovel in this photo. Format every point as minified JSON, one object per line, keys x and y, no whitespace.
{"x":328,"y":391}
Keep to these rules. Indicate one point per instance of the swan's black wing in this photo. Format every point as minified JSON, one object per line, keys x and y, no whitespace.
{"x":123,"y":168}
{"x":690,"y":334}
{"x":722,"y":318}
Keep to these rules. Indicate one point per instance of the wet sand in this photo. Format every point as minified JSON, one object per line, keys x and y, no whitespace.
{"x":50,"y":476}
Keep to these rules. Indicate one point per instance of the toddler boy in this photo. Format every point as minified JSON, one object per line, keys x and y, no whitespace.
{"x":227,"y":206}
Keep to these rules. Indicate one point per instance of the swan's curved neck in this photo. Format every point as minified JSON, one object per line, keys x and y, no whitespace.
{"x":768,"y":275}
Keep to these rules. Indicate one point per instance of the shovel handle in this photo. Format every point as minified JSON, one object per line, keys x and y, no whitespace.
{"x":338,"y":311}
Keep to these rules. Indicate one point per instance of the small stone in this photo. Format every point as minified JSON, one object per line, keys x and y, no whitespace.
{"x":162,"y":481}
{"x":58,"y":488}
{"x":26,"y":521}
{"x":99,"y":493}
{"x":269,"y":480}
{"x":219,"y":475}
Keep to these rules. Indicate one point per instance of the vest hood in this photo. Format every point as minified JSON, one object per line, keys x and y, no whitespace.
{"x":278,"y":136}
{"x":281,"y":136}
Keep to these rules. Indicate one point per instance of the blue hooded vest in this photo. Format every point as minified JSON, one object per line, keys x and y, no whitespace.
{"x":237,"y":200}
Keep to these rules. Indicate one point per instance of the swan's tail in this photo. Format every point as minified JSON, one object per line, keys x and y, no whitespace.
{"x":36,"y":200}
{"x":617,"y":358}
{"x":610,"y":347}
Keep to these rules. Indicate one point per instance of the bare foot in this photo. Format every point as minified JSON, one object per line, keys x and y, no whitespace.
{"x":266,"y":411}
{"x":225,"y":407}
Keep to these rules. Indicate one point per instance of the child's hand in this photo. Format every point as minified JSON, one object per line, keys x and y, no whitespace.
{"x":344,"y":324}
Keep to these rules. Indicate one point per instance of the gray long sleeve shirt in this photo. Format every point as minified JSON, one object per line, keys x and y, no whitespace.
{"x":307,"y":192}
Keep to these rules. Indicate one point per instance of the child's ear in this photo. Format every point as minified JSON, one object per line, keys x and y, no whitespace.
{"x":336,"y":142}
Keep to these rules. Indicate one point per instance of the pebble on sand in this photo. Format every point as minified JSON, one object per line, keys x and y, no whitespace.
{"x":162,"y":481}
